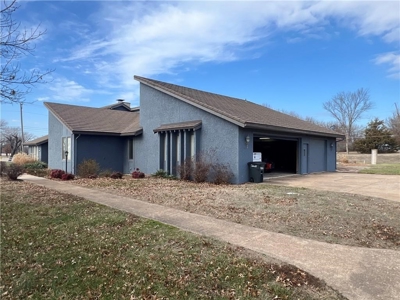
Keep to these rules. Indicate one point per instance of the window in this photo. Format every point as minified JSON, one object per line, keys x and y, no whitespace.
{"x":130,"y":149}
{"x":66,"y":146}
{"x":175,"y":148}
{"x":34,"y":152}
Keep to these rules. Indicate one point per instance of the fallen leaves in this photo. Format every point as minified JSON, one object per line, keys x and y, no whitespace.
{"x":324,"y":216}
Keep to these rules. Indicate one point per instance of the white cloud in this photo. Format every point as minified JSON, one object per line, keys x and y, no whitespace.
{"x":64,"y":90}
{"x":151,"y":38}
{"x":393,"y":60}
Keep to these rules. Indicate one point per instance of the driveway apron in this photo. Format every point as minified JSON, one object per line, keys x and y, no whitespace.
{"x":381,"y":186}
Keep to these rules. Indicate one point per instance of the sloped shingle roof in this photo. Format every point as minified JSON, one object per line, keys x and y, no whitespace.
{"x":82,"y":119}
{"x":241,"y":112}
{"x":38,"y":141}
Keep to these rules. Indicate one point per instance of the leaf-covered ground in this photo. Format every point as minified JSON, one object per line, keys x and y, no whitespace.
{"x":320,"y":215}
{"x":58,"y":246}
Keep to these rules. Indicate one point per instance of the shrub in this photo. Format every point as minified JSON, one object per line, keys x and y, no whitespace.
{"x":221,"y":174}
{"x":22,"y":159}
{"x":160,"y":173}
{"x":116,"y":175}
{"x":185,"y":170}
{"x":201,"y":168}
{"x":14,"y":170}
{"x":35,"y":165}
{"x":67,"y":176}
{"x":88,"y":167}
{"x":93,"y":176}
{"x":3,"y":168}
{"x":137,"y":174}
{"x":163,"y":174}
{"x":56,"y":173}
{"x":205,"y":167}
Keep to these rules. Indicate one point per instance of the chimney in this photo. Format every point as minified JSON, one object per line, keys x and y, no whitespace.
{"x":120,"y":101}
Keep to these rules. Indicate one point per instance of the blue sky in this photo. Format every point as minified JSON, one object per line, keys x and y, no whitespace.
{"x":291,"y":55}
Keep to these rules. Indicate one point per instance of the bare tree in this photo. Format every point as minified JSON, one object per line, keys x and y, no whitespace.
{"x":11,"y":137}
{"x":347,"y":108}
{"x":16,"y":43}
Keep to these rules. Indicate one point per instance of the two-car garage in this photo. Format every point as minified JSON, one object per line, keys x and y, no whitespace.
{"x":289,"y":155}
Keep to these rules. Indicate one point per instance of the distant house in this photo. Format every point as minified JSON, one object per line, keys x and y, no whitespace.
{"x":175,"y":123}
{"x":38,"y":148}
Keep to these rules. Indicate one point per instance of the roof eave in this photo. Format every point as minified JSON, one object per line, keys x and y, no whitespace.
{"x":291,"y":130}
{"x":88,"y":132}
{"x":133,"y":133}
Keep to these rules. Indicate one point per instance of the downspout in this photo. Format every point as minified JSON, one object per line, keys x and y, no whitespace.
{"x":76,"y":152}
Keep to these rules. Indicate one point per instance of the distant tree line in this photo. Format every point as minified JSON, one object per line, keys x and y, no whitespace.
{"x":347,"y":108}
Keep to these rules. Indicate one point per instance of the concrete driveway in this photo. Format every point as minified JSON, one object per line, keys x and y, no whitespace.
{"x":381,"y":186}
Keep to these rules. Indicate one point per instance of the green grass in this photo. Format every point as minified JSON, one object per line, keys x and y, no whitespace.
{"x":58,"y":246}
{"x":383,"y":169}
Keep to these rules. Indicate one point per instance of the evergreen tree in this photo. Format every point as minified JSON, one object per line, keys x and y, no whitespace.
{"x":377,"y":136}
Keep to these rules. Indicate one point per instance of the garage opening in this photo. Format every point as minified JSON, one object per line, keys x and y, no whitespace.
{"x":280,"y":155}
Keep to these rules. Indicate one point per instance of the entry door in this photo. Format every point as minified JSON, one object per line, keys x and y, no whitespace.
{"x":304,"y":158}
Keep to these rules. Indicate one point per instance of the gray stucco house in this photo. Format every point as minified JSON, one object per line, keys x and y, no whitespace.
{"x":38,"y":148}
{"x":175,"y":122}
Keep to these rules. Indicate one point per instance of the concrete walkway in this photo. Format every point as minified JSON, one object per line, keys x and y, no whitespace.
{"x":358,"y":273}
{"x":381,"y":186}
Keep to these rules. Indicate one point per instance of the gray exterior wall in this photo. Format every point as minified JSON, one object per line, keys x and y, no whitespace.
{"x":157,"y":108}
{"x":129,"y":165}
{"x":107,"y":151}
{"x":56,"y":132}
{"x":318,"y":155}
{"x":245,"y":154}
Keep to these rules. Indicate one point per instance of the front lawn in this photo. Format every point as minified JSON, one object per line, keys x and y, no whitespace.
{"x":384,"y":169}
{"x":58,"y":246}
{"x":325,"y":216}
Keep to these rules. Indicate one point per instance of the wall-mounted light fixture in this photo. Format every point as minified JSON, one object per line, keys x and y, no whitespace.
{"x":66,"y":161}
{"x":331,"y":145}
{"x":247,"y":139}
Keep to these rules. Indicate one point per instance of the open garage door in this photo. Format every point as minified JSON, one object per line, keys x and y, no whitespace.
{"x":280,"y":155}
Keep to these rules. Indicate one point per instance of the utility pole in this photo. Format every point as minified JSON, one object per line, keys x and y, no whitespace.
{"x":22,"y":129}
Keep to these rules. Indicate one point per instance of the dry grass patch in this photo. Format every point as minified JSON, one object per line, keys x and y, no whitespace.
{"x":320,"y":215}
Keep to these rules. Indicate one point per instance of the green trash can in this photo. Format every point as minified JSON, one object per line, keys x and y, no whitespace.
{"x":256,"y":171}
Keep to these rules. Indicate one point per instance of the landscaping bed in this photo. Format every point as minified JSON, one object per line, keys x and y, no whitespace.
{"x":59,"y":246}
{"x":331,"y":217}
